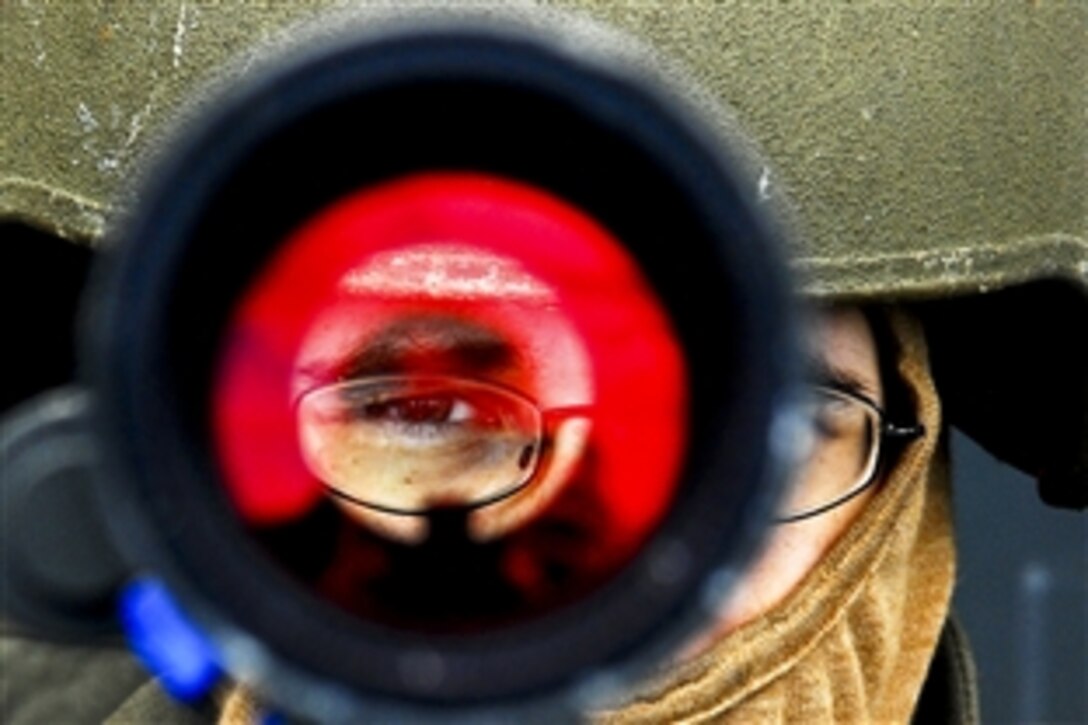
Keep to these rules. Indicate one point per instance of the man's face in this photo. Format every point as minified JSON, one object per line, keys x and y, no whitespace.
{"x":456,"y":407}
{"x":843,"y":352}
{"x":841,"y":346}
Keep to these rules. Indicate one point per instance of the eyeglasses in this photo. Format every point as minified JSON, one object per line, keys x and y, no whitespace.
{"x":406,"y":444}
{"x":848,"y":432}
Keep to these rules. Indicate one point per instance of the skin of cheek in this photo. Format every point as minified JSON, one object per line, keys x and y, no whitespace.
{"x":792,"y":551}
{"x":562,"y":376}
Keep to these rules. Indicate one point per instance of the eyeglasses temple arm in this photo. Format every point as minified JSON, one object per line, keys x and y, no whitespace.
{"x":567,"y":411}
{"x":904,"y":432}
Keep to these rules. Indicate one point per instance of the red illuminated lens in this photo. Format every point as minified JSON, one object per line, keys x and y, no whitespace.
{"x":454,"y":277}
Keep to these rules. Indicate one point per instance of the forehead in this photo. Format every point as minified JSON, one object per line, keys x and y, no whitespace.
{"x":375,"y":337}
{"x":841,"y":344}
{"x":413,"y":342}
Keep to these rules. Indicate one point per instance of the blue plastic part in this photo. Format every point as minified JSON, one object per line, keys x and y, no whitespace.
{"x":273,"y":718}
{"x":168,"y":644}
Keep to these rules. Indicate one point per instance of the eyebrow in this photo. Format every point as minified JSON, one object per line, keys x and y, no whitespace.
{"x":823,"y":372}
{"x":462,"y":347}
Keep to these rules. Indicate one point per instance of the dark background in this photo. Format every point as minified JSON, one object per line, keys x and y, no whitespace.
{"x":1022,"y":592}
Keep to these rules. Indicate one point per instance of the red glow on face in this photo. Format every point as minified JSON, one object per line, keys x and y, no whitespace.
{"x":491,"y":256}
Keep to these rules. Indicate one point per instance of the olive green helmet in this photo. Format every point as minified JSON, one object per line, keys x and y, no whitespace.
{"x":932,"y":153}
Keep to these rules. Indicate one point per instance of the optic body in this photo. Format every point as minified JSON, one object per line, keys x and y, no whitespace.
{"x":605,"y":239}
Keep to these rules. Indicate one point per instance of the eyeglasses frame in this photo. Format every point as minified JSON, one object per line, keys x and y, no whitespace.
{"x":886,"y":431}
{"x":548,"y":419}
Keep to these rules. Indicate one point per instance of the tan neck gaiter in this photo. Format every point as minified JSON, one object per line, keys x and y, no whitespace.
{"x":854,"y":641}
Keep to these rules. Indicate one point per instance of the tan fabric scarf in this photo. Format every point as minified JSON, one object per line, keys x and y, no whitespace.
{"x":854,"y":641}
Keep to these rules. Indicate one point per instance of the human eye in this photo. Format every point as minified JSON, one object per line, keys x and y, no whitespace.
{"x":832,"y":415}
{"x":422,"y":414}
{"x":405,"y":441}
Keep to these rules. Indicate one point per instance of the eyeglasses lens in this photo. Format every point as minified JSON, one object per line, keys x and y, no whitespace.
{"x":406,"y":445}
{"x":844,"y":434}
